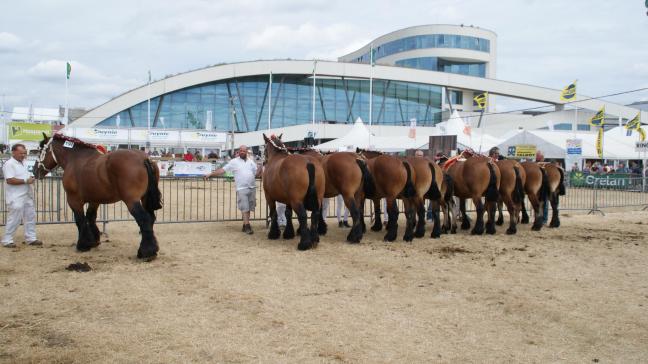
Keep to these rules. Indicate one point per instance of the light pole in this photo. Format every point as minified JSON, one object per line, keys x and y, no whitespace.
{"x":232,"y":122}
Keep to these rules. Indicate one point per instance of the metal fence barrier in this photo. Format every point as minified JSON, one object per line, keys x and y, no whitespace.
{"x":196,"y":200}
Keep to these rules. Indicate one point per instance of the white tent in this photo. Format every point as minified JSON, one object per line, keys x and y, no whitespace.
{"x":360,"y":137}
{"x":467,"y":137}
{"x":553,"y":144}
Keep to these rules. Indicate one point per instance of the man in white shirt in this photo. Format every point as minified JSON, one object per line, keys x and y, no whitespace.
{"x":244,"y":170}
{"x":19,"y":197}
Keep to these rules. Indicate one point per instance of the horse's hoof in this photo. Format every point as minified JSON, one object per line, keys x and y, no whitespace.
{"x":408,"y":237}
{"x":305,"y":245}
{"x":453,"y":230}
{"x":477,"y":231}
{"x":146,"y":255}
{"x":465,"y":225}
{"x":322,"y":229}
{"x":511,"y":231}
{"x":435,"y":235}
{"x":525,"y":220}
{"x":555,"y":224}
{"x":376,"y":227}
{"x":536,"y":227}
{"x":499,"y":222}
{"x":419,"y":233}
{"x":83,"y":248}
{"x":490,"y":230}
{"x":273,"y":234}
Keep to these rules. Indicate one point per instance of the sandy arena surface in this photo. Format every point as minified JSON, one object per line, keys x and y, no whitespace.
{"x":575,"y":294}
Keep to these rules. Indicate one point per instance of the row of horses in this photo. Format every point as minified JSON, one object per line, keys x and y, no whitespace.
{"x":301,"y":178}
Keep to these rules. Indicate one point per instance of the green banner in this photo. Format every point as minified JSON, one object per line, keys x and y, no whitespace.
{"x":29,"y":131}
{"x":611,"y":180}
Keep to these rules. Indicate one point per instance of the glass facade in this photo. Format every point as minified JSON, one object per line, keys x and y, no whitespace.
{"x":437,"y":64}
{"x":241,"y":104}
{"x":427,"y":41}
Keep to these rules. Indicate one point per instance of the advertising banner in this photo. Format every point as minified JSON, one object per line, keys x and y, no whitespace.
{"x":191,"y":169}
{"x":104,"y":135}
{"x":612,"y":180}
{"x":203,"y":137}
{"x":165,"y":137}
{"x":574,"y":146}
{"x":522,"y":151}
{"x":28,"y":131}
{"x":641,"y":146}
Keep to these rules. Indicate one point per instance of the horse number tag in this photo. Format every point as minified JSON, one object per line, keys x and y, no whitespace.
{"x":68,"y":144}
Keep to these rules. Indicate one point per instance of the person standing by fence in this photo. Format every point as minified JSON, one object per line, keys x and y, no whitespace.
{"x":244,"y":170}
{"x":19,"y":197}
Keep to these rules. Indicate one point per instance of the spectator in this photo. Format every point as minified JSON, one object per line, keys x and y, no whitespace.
{"x":575,"y":168}
{"x":587,"y":168}
{"x":198,"y":156}
{"x":539,"y":156}
{"x":635,"y":168}
{"x":495,"y":155}
{"x":622,"y":168}
{"x":19,"y":197}
{"x":244,"y":170}
{"x":419,"y":153}
{"x":545,"y":208}
{"x":212,"y":155}
{"x":188,"y":157}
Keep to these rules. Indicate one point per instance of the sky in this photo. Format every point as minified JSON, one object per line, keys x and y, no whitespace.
{"x":113,"y":44}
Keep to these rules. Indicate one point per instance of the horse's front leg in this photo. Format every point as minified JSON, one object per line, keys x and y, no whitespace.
{"x":274,"y":232}
{"x":377,"y":226}
{"x":420,"y":220}
{"x":148,"y":245}
{"x":305,"y":241}
{"x":91,"y":218}
{"x":478,"y":229}
{"x":410,"y":219}
{"x":85,"y":241}
{"x":392,"y":220}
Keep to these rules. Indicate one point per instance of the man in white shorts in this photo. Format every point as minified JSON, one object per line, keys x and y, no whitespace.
{"x":244,"y":170}
{"x":20,"y":198}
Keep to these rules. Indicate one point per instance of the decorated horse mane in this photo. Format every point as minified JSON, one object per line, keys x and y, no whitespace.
{"x":302,"y":150}
{"x":59,"y":136}
{"x":278,"y":144}
{"x":361,"y":150}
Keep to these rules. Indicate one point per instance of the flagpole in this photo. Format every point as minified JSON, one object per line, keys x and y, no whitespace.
{"x":148,"y":115}
{"x":67,"y":77}
{"x":269,"y":100}
{"x":313,"y":108}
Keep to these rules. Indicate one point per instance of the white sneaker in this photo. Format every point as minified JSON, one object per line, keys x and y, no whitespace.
{"x":9,"y":245}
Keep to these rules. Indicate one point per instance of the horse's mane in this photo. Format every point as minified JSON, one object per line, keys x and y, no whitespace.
{"x":59,"y":136}
{"x":301,"y":150}
{"x":278,"y":144}
{"x":361,"y":150}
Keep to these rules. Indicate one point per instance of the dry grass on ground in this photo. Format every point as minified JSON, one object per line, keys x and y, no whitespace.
{"x":574,"y":294}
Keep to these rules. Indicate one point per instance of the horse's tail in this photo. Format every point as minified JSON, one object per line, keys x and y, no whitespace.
{"x":409,"y":190}
{"x":367,"y":179}
{"x":492,"y":194}
{"x":561,"y":185}
{"x":518,"y":191}
{"x":310,"y":201}
{"x":543,"y":194}
{"x":433,"y":193}
{"x":449,"y":187}
{"x":152,"y":197}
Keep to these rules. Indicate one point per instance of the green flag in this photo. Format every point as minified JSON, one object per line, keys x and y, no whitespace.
{"x":69,"y":70}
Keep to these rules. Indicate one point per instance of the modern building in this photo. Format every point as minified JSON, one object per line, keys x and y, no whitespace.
{"x":420,"y":73}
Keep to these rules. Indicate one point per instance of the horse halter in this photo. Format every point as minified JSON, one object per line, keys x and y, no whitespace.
{"x":43,"y":154}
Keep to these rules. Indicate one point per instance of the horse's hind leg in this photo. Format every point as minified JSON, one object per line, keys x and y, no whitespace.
{"x":91,"y":218}
{"x":377,"y":226}
{"x":410,"y":219}
{"x":420,"y":219}
{"x":289,"y":230}
{"x":525,"y":215}
{"x":274,"y":231}
{"x":478,"y":229}
{"x":314,"y":231}
{"x":490,"y":223}
{"x":510,"y":206}
{"x":500,"y":214}
{"x":465,"y":220}
{"x":555,"y":220}
{"x":392,"y":220}
{"x":537,"y":210}
{"x":148,"y":246}
{"x":436,"y":228}
{"x":305,"y":241}
{"x":355,"y":234}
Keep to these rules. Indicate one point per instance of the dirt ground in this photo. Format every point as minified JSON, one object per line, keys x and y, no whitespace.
{"x":575,"y":294}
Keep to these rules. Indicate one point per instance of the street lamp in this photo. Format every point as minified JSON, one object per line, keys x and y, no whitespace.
{"x":232,"y":122}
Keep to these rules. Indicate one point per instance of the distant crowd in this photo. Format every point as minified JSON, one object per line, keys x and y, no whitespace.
{"x":604,"y":168}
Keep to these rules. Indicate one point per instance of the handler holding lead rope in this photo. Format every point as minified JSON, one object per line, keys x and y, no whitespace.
{"x":20,"y":198}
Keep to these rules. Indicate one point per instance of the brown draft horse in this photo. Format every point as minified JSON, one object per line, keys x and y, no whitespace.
{"x":393,"y":178}
{"x":94,"y":178}
{"x":473,"y":178}
{"x":299,"y":182}
{"x":545,"y":182}
{"x":347,"y":175}
{"x":511,"y":192}
{"x":446,"y":201}
{"x":428,"y":179}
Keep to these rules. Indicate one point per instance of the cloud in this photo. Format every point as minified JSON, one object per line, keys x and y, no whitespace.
{"x":9,"y":42}
{"x":306,"y":35}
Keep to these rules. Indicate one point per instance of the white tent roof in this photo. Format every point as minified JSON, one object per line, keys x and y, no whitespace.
{"x":360,"y":137}
{"x":553,"y":144}
{"x":478,"y":140}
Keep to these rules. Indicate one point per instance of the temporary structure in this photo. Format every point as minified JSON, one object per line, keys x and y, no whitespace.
{"x":360,"y":137}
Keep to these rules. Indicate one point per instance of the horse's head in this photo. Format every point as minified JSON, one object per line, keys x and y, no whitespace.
{"x":46,"y":160}
{"x":273,"y":145}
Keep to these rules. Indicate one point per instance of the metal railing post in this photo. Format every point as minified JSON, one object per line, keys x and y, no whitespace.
{"x":594,"y":207}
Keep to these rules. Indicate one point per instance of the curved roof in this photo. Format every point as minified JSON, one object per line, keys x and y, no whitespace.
{"x":340,"y":69}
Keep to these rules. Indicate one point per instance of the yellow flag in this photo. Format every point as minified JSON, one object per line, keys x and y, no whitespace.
{"x":642,"y":134}
{"x":569,"y":92}
{"x":481,"y":100}
{"x":599,"y":118}
{"x":635,"y":123}
{"x":599,"y":143}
